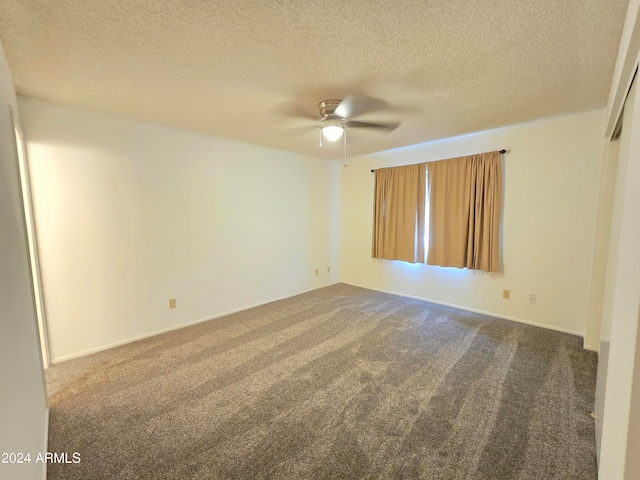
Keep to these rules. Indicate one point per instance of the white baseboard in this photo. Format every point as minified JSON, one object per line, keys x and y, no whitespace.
{"x":474,"y":310}
{"x":177,"y":327}
{"x":588,"y":346}
{"x":247,"y":307}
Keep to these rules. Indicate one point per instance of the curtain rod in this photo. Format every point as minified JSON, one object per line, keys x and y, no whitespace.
{"x":501,"y":151}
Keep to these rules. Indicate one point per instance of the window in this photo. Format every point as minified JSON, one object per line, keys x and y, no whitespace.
{"x":449,"y":209}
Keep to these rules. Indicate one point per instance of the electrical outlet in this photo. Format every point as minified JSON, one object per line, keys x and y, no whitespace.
{"x":506,"y":293}
{"x":532,"y":298}
{"x":172,"y":303}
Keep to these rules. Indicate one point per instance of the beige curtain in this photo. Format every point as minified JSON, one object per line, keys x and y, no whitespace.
{"x":399,"y":208}
{"x":465,"y":202}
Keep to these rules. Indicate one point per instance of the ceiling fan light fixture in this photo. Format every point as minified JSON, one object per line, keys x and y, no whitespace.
{"x":332,"y":132}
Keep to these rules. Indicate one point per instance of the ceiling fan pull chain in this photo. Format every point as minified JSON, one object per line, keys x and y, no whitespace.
{"x":321,"y":137}
{"x":345,"y":145}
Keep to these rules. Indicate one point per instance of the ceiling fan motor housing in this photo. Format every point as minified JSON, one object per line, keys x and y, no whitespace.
{"x":327,"y":107}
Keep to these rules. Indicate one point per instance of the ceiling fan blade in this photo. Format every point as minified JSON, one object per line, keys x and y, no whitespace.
{"x":355,"y":105}
{"x":382,"y":126}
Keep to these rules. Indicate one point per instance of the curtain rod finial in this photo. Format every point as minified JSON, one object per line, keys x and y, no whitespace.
{"x":503,"y":151}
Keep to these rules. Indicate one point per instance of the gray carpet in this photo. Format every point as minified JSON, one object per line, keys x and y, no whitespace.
{"x":339,"y":383}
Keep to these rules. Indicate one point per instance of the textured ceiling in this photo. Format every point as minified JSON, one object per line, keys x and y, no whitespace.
{"x":234,"y":68}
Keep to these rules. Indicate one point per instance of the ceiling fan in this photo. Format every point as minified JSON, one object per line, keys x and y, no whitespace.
{"x":336,"y":116}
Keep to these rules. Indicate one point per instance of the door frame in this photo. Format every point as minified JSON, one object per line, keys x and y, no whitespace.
{"x":32,"y":238}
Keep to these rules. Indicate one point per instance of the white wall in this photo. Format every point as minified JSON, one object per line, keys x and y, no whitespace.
{"x":131,"y":214}
{"x":23,"y":398}
{"x":551,"y":178}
